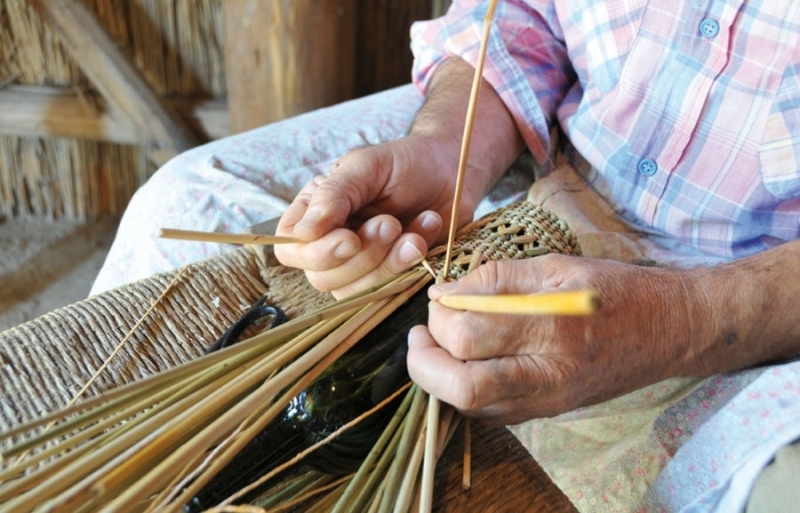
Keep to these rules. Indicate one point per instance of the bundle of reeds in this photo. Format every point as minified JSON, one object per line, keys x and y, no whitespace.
{"x":157,"y":443}
{"x":177,"y":47}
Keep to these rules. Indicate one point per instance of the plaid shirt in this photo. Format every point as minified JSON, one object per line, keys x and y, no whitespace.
{"x":689,"y":111}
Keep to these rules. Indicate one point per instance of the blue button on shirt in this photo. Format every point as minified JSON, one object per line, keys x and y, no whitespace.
{"x":709,"y":27}
{"x":648,"y":167}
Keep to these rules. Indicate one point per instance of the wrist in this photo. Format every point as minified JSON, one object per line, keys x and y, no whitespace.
{"x":674,"y":311}
{"x":496,"y":141}
{"x":745,"y":311}
{"x":718,"y":305}
{"x":695,"y":322}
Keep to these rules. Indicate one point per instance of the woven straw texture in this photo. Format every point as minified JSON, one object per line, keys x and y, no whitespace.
{"x":45,"y":361}
{"x":521,"y":230}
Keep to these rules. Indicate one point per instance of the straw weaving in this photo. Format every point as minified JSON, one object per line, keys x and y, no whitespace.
{"x":45,"y":362}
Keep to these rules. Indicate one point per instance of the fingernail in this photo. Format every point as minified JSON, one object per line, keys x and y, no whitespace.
{"x":409,"y":253}
{"x":430,"y":222}
{"x":388,"y":232}
{"x":414,"y":334}
{"x":345,"y":250}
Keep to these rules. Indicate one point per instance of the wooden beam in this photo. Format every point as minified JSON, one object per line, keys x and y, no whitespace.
{"x":110,"y":71}
{"x":38,"y":111}
{"x":207,"y":117}
{"x":284,"y":58}
{"x":42,"y":111}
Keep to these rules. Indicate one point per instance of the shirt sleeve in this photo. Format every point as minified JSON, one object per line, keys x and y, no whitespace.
{"x":526,"y":59}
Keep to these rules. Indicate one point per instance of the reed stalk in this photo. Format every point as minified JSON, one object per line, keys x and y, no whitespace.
{"x":334,"y":346}
{"x":298,"y":490}
{"x":225,"y":238}
{"x":406,"y":495}
{"x":404,"y":452}
{"x":566,"y":302}
{"x":433,"y":404}
{"x":117,"y":483}
{"x":71,"y":448}
{"x":362,"y":486}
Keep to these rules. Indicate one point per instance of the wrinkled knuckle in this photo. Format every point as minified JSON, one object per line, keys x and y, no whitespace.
{"x":556,"y":261}
{"x":339,"y":185}
{"x":465,"y":395}
{"x":460,"y":342}
{"x":343,"y":161}
{"x":319,"y":281}
{"x":358,"y":157}
{"x":519,"y":372}
{"x":489,"y":274}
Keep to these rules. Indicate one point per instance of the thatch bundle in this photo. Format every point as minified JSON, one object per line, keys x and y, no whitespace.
{"x":177,"y":47}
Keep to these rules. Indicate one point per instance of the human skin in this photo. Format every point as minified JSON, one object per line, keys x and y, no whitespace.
{"x":653,"y":324}
{"x":382,"y":207}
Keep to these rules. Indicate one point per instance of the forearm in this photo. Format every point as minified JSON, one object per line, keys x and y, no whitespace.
{"x":496,"y":141}
{"x":746,"y":312}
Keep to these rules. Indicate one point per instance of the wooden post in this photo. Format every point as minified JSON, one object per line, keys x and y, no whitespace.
{"x":384,"y":56}
{"x":286,"y":57}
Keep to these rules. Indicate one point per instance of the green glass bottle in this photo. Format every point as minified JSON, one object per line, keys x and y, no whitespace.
{"x":363,"y":377}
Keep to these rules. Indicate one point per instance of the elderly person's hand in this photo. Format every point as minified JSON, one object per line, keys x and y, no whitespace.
{"x":374,"y":215}
{"x":381,"y":207}
{"x":652,"y":324}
